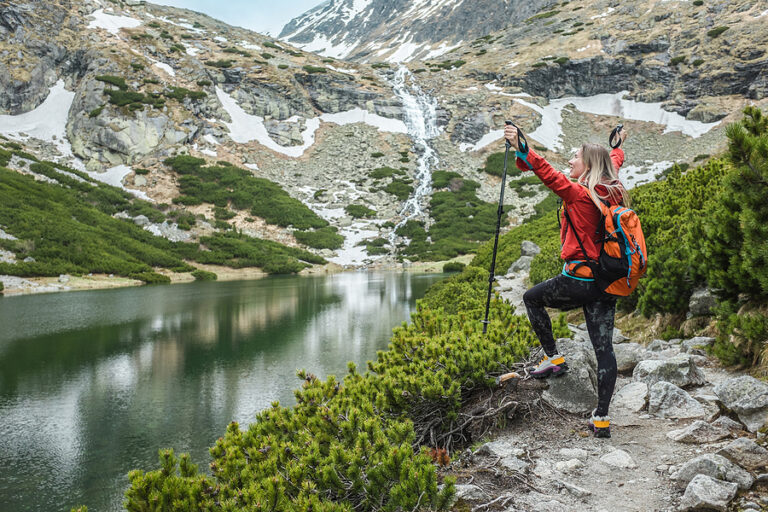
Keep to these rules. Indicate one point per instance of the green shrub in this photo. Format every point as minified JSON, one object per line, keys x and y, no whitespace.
{"x":359,"y":211}
{"x":541,"y":16}
{"x":716,"y":31}
{"x":380,"y":65}
{"x":202,"y":275}
{"x":117,"y":81}
{"x":323,"y":238}
{"x":561,"y":60}
{"x":221,"y":63}
{"x":222,"y":185}
{"x":137,"y":66}
{"x":698,"y":62}
{"x":385,"y":172}
{"x":399,"y":189}
{"x":95,"y":112}
{"x":177,"y":48}
{"x":180,"y":93}
{"x":140,"y":171}
{"x":267,"y":56}
{"x":237,"y":51}
{"x":680,"y":59}
{"x":150,"y":277}
{"x":377,"y":154}
{"x":270,"y":44}
{"x":539,"y":65}
{"x":698,"y":158}
{"x":494,"y":165}
{"x":282,"y":66}
{"x":453,"y":266}
{"x":698,"y":3}
{"x":204,"y":83}
{"x":314,"y":69}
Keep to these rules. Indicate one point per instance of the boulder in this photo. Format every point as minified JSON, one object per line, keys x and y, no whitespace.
{"x":696,"y":343}
{"x":628,"y":355}
{"x":748,"y":398}
{"x":523,"y":264}
{"x":702,"y":301}
{"x":707,"y":493}
{"x":508,"y":451}
{"x":632,"y":397}
{"x":726,"y":422}
{"x":618,"y":459}
{"x":528,"y":248}
{"x":699,"y":432}
{"x":669,"y":401}
{"x":470,"y":492}
{"x":746,"y":453}
{"x":679,"y":370}
{"x":576,"y":391}
{"x":714,"y":466}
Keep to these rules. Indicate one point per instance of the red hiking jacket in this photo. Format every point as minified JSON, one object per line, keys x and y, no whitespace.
{"x":577,"y":202}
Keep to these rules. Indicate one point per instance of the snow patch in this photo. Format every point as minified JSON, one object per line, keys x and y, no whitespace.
{"x":209,"y":152}
{"x":549,"y":131}
{"x":192,"y":51}
{"x":47,"y":122}
{"x":634,"y":175}
{"x":220,"y":39}
{"x":210,"y":139}
{"x":249,"y":46}
{"x":245,"y":127}
{"x":603,"y":15}
{"x":342,"y":70}
{"x":252,"y":167}
{"x":112,"y":23}
{"x":322,"y":45}
{"x":115,"y":176}
{"x":441,"y":50}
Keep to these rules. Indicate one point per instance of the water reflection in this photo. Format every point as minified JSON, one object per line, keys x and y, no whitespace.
{"x":92,"y":384}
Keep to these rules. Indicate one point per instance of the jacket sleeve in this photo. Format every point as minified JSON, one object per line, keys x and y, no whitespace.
{"x":555,"y":180}
{"x":617,"y":157}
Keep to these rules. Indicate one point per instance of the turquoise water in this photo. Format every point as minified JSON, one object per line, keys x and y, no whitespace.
{"x":93,"y":384}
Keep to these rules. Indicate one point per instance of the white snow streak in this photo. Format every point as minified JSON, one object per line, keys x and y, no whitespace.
{"x":245,"y":127}
{"x":112,"y":23}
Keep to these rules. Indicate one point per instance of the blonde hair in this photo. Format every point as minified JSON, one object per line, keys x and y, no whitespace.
{"x":600,"y":171}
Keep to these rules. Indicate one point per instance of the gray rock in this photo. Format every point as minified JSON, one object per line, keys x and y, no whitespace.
{"x":508,"y":452}
{"x":728,"y":423}
{"x":470,"y":492}
{"x":714,"y":466}
{"x":528,"y":248}
{"x":696,"y":343}
{"x":699,"y":432}
{"x":141,"y":220}
{"x":29,"y":259}
{"x":707,"y":493}
{"x":523,"y":264}
{"x":618,"y":459}
{"x":573,"y":489}
{"x":657,"y":345}
{"x":748,"y":398}
{"x":573,"y":453}
{"x":702,"y":301}
{"x":628,"y":355}
{"x":669,"y":401}
{"x":632,"y":397}
{"x":569,"y":466}
{"x":746,"y":453}
{"x":63,"y":278}
{"x":576,"y":391}
{"x":140,"y":181}
{"x":679,"y":370}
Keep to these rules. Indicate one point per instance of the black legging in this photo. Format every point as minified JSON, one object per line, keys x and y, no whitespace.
{"x":565,"y":293}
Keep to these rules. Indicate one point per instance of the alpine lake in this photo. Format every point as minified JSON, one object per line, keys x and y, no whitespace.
{"x":94,"y":383}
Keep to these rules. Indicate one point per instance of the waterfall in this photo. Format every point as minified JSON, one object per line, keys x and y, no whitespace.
{"x":421,"y":121}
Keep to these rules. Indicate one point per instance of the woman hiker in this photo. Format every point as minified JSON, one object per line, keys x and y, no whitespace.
{"x":595,"y":172}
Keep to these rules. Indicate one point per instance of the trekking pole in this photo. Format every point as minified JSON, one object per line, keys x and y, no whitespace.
{"x":522,"y":146}
{"x":615,"y":134}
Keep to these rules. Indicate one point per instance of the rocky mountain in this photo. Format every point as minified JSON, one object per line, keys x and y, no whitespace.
{"x":115,"y":88}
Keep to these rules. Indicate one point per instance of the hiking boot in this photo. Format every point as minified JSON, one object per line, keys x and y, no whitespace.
{"x":554,"y":366}
{"x":600,"y":425}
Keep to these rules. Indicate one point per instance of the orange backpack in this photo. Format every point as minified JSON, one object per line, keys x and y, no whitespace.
{"x":623,"y":256}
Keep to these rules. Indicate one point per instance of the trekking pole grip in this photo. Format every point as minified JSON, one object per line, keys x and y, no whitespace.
{"x":522,"y":142}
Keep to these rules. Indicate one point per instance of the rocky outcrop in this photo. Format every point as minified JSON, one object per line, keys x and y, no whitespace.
{"x":707,"y":493}
{"x":714,"y":466}
{"x":748,"y":398}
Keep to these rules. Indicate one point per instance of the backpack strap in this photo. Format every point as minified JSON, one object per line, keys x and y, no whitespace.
{"x":578,"y":238}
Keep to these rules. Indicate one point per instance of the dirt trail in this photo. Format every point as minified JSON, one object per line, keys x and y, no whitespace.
{"x":550,"y":461}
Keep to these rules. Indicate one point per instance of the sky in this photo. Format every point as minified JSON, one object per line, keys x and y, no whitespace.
{"x":263,"y":16}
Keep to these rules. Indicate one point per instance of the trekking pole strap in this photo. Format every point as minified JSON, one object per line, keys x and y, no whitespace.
{"x":615,"y":134}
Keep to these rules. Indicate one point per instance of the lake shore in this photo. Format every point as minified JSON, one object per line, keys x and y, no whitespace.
{"x":15,"y":286}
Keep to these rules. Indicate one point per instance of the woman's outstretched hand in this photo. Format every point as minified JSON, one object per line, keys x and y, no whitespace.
{"x":510,"y":133}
